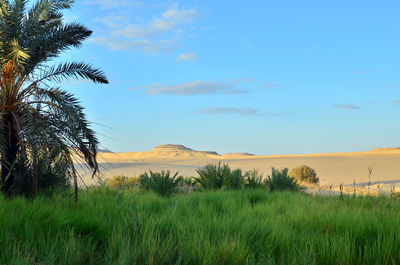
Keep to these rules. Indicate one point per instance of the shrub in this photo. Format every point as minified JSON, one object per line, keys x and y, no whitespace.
{"x":122,"y":182}
{"x":161,"y":183}
{"x":304,"y":174}
{"x":53,"y":177}
{"x":213,"y":176}
{"x":281,"y":181}
{"x":235,"y":180}
{"x":253,"y":180}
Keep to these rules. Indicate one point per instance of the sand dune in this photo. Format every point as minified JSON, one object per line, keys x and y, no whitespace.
{"x":331,"y":168}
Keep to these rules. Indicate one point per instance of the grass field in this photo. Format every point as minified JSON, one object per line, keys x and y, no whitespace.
{"x":221,"y":227}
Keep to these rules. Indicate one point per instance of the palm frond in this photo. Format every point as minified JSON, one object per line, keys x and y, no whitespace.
{"x":18,"y":54}
{"x":74,"y":70}
{"x":52,"y":42}
{"x":73,"y":126}
{"x":44,"y":9}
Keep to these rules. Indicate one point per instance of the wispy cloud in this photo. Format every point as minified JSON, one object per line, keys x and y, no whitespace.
{"x":391,"y":85}
{"x":108,"y":4}
{"x":159,"y":35}
{"x":152,"y":30}
{"x":187,"y":57}
{"x":180,"y":16}
{"x":200,"y":87}
{"x":112,"y":20}
{"x":150,"y":47}
{"x":396,"y":101}
{"x":238,"y":91}
{"x":230,"y":110}
{"x":244,"y":79}
{"x":346,"y":106}
{"x":192,"y":88}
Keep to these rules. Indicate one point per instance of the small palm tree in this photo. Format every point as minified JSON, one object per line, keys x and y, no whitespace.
{"x":162,"y":183}
{"x":280,"y":181}
{"x":38,"y":121}
{"x":213,"y":176}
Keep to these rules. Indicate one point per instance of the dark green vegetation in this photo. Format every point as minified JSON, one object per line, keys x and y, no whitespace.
{"x":43,"y":128}
{"x":212,"y":227}
{"x":304,"y":174}
{"x":211,"y":177}
{"x":162,"y":183}
{"x":279,"y":180}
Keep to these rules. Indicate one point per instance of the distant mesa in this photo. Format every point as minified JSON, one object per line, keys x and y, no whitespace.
{"x":238,"y":154}
{"x":210,"y":152}
{"x":172,"y":147}
{"x":386,"y":149}
{"x":178,"y":147}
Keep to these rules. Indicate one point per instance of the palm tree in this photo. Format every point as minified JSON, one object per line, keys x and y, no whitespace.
{"x":41,"y":124}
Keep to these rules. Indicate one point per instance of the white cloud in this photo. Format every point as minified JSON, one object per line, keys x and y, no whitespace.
{"x":152,"y":37}
{"x":147,"y":46}
{"x":188,"y":15}
{"x":243,"y":79}
{"x":155,"y":85}
{"x":113,"y":20}
{"x":391,"y":85}
{"x":108,"y":4}
{"x":134,"y":31}
{"x":200,"y":87}
{"x":229,"y":110}
{"x":238,"y":91}
{"x":347,"y":106}
{"x":191,"y":88}
{"x":187,"y":57}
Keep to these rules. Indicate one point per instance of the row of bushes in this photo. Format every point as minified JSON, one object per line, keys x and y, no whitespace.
{"x":213,"y":177}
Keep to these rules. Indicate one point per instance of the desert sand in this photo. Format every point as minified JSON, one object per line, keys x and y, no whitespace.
{"x":332,"y":168}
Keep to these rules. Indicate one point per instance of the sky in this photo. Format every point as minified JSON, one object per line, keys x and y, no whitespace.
{"x":259,"y":76}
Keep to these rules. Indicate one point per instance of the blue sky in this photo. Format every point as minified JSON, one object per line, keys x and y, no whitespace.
{"x":265,"y":77}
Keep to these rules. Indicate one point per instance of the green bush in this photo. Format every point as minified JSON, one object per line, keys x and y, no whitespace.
{"x":304,"y":174}
{"x":235,"y":180}
{"x":122,"y":182}
{"x":52,"y":177}
{"x":253,"y":180}
{"x":161,"y":183}
{"x":217,"y":177}
{"x":213,"y":176}
{"x":281,"y":181}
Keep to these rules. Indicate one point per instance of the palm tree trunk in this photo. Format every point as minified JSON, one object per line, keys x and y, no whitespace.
{"x":9,"y":156}
{"x":34,"y":176}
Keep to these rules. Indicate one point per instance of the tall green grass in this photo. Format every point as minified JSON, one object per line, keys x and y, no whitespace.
{"x":216,"y":227}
